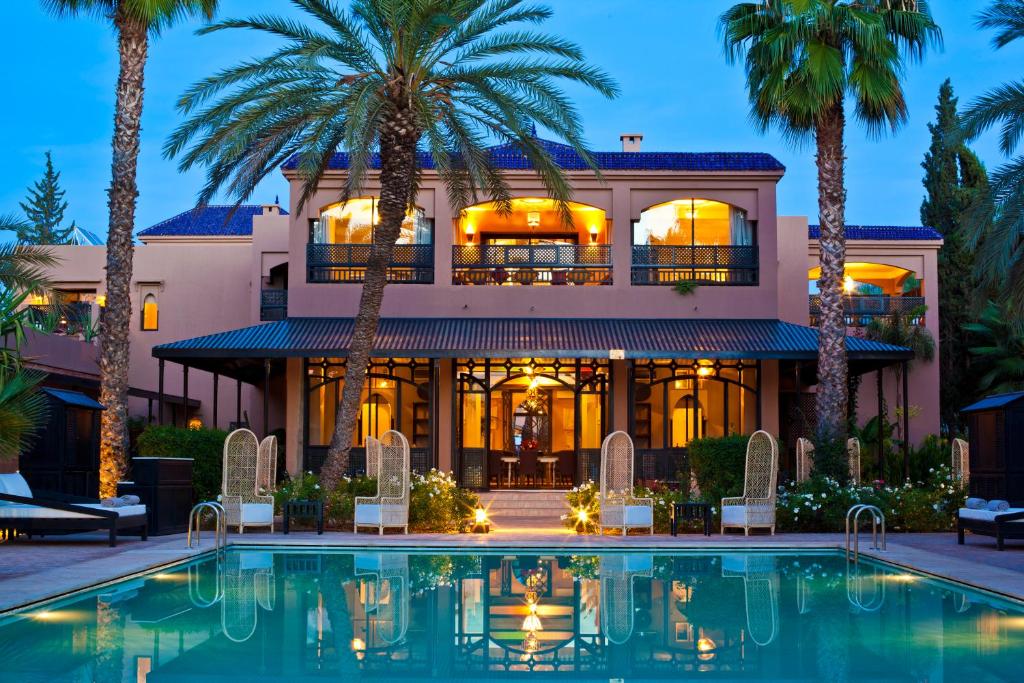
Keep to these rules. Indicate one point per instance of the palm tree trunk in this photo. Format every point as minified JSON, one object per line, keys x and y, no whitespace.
{"x":832,"y":368}
{"x":398,"y":140}
{"x":115,"y":326}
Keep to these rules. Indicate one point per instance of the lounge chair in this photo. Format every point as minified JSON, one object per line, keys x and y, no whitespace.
{"x":244,"y":504}
{"x":22,"y":512}
{"x":1006,"y":524}
{"x":390,"y":506}
{"x":756,"y":507}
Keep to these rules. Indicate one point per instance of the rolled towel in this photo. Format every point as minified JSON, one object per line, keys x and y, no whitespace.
{"x":976,"y":504}
{"x":130,"y":500}
{"x":112,"y":502}
{"x":998,"y":505}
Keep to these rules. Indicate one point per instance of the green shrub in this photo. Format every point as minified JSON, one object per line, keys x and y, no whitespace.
{"x":718,"y":464}
{"x":204,"y":446}
{"x":582,"y":497}
{"x":821,"y":503}
{"x":438,"y":505}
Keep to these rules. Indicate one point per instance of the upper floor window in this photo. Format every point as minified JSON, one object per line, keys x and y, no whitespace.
{"x":531,"y":221}
{"x":873,"y":291}
{"x":354,"y":222}
{"x":693,"y":222}
{"x":150,"y":313}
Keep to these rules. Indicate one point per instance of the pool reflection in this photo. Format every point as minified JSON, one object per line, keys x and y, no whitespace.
{"x":259,"y":615}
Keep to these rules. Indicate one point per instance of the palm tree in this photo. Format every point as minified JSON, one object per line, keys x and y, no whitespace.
{"x":134,"y":21}
{"x":996,"y":221}
{"x":22,"y":407}
{"x":803,"y":58}
{"x":390,"y":79}
{"x":999,"y":350}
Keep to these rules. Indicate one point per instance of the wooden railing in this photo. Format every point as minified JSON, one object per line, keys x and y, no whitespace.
{"x":703,"y":264}
{"x":534,"y":264}
{"x":859,"y":311}
{"x":410,"y":263}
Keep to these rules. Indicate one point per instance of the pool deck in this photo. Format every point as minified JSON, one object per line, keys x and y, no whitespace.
{"x":35,"y":570}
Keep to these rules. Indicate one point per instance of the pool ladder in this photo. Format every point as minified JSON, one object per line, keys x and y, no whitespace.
{"x":220,"y":530}
{"x":877,"y":519}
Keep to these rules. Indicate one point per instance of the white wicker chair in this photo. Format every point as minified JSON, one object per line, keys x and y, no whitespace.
{"x":389,"y":612}
{"x":760,"y":594}
{"x":390,"y":507}
{"x":266,"y":469}
{"x":243,"y":504}
{"x":619,"y":509}
{"x":617,"y":573}
{"x":248,"y":584}
{"x":961,"y":465}
{"x":756,"y":507}
{"x":853,"y":453}
{"x":804,"y":459}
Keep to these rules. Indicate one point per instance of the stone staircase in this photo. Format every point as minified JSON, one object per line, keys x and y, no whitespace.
{"x":544,"y":508}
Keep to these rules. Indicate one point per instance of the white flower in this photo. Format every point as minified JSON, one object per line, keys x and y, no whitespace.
{"x":823,"y":496}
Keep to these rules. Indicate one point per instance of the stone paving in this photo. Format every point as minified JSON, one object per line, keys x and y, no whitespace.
{"x":41,"y":568}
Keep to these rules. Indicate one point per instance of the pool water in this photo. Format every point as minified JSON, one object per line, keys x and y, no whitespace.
{"x":283,"y":615}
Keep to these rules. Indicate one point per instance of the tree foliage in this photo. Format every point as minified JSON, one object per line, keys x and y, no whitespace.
{"x":997,"y":345}
{"x":44,"y":208}
{"x":995,"y":221}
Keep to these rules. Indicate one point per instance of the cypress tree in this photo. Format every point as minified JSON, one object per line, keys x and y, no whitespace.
{"x":44,"y":208}
{"x":953,"y":176}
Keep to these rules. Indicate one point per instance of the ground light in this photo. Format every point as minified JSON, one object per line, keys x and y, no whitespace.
{"x":481,"y":525}
{"x":581,"y":520}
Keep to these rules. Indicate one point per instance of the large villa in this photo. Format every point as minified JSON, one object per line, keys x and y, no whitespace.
{"x":512,"y":343}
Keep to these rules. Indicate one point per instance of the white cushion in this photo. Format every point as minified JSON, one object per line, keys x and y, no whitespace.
{"x":14,"y":485}
{"x":369,"y":513}
{"x":988,"y":515}
{"x":734,"y":514}
{"x":638,"y":515}
{"x":25,"y":511}
{"x":257,"y":513}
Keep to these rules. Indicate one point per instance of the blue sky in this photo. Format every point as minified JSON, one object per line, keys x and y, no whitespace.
{"x":677,"y":90}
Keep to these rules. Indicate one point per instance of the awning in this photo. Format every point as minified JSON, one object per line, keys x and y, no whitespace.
{"x":73,"y":398}
{"x":753,"y":339}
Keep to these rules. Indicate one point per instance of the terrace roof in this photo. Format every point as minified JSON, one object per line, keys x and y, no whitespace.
{"x":510,"y":157}
{"x":895,"y":233}
{"x":756,"y":339}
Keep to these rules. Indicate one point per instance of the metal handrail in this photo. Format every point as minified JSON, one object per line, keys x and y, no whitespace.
{"x":220,"y":531}
{"x":877,"y":518}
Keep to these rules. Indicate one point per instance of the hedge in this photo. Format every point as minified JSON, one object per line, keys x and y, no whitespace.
{"x":204,"y":446}
{"x":718,"y":464}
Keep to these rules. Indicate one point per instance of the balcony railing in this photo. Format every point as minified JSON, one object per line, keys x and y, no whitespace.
{"x":72,"y":318}
{"x":410,"y":263}
{"x":535,"y":264}
{"x":273,"y":304}
{"x":859,"y":311}
{"x":703,"y":264}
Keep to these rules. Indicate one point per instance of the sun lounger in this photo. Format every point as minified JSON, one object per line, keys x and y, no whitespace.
{"x":22,"y":512}
{"x":1006,"y":524}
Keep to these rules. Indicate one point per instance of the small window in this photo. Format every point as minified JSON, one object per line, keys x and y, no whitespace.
{"x":150,"y":313}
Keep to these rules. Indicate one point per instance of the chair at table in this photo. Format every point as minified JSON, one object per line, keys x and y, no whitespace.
{"x":565,"y":468}
{"x":528,"y":467}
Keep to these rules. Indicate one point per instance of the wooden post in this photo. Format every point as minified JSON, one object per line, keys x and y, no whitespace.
{"x":266,"y":396}
{"x":216,"y":380}
{"x":160,"y":394}
{"x":879,"y":447}
{"x":906,"y":421}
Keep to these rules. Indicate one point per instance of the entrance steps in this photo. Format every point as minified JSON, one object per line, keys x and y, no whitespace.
{"x":542,"y":506}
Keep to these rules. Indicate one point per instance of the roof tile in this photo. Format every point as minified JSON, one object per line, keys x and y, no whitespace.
{"x":210,"y":221}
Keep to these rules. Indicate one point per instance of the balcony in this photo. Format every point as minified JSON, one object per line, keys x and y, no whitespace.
{"x":702,"y":264}
{"x":861,"y":310}
{"x":68,"y":319}
{"x":410,"y":263}
{"x":533,"y":264}
{"x":273,"y":304}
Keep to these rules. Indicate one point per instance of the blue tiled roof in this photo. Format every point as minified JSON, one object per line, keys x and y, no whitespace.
{"x":526,"y":337}
{"x":210,"y":221}
{"x":883,"y":232}
{"x":73,"y":398}
{"x":510,"y":157}
{"x":994,"y":401}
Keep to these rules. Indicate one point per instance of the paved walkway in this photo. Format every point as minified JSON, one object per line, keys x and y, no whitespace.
{"x":34,"y":570}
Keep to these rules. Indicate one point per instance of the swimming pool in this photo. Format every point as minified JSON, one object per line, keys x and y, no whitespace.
{"x":293,"y":615}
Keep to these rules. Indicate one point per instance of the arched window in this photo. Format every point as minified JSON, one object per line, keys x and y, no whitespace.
{"x":693,"y":222}
{"x":684,"y":421}
{"x":354,"y":221}
{"x":150,"y":313}
{"x":374,"y":418}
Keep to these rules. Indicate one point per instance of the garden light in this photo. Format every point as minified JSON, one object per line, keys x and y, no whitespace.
{"x":481,"y":525}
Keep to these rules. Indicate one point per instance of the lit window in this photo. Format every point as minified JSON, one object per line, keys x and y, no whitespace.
{"x":150,"y":313}
{"x":693,"y":222}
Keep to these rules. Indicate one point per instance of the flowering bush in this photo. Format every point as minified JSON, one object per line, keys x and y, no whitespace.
{"x":582,"y":497}
{"x":438,"y":505}
{"x":339,"y":504}
{"x":821,"y":503}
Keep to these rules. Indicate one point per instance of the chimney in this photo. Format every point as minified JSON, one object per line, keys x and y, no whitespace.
{"x":272,"y":209}
{"x":631,"y":141}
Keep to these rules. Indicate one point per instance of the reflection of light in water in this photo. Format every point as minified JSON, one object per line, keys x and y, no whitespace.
{"x":706,"y":648}
{"x":901,"y":578}
{"x":177,"y":577}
